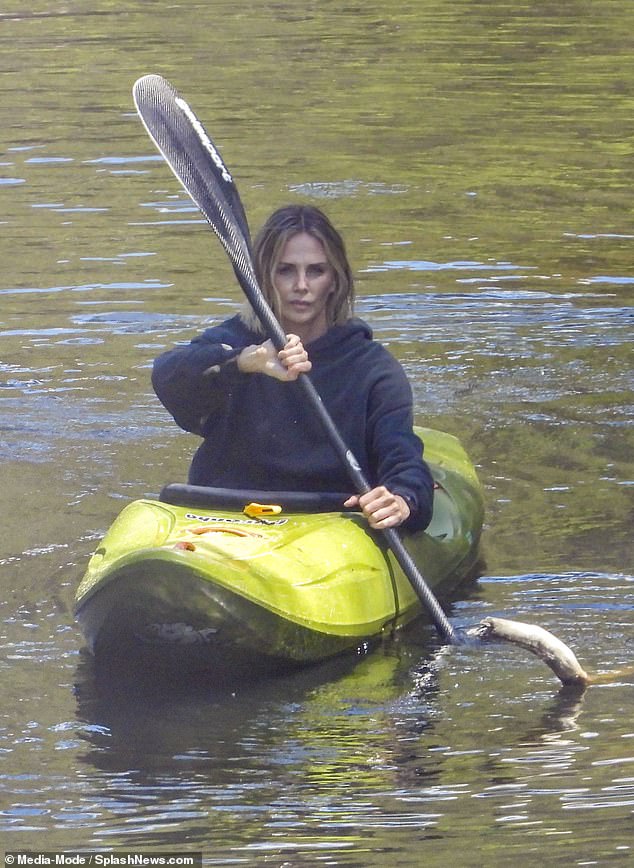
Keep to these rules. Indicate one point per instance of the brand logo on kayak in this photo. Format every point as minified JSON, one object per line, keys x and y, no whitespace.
{"x":217,"y":518}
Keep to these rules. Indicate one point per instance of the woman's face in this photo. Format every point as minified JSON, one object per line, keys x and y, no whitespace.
{"x":304,"y":280}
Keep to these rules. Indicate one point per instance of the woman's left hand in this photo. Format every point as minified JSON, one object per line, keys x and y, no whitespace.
{"x":381,"y":508}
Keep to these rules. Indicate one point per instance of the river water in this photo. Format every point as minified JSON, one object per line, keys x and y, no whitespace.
{"x":479,"y":158}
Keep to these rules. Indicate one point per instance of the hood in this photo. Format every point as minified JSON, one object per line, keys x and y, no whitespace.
{"x":354,"y":329}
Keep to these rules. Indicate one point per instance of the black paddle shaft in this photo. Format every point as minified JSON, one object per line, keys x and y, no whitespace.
{"x":196,"y":162}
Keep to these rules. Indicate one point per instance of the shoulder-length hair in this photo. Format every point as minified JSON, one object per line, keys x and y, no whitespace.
{"x":269,"y":244}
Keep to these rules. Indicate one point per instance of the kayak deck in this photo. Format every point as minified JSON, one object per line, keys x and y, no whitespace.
{"x":220,"y":583}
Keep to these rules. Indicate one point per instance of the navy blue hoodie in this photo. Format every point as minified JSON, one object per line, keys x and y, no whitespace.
{"x":259,"y":432}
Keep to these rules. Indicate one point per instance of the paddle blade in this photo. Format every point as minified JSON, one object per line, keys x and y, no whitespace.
{"x":196,"y":162}
{"x":194,"y":159}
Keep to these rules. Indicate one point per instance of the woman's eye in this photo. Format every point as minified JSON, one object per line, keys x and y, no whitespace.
{"x":316,"y":270}
{"x":284,"y":269}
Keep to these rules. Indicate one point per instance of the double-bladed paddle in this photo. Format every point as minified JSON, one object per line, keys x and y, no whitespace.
{"x":196,"y":162}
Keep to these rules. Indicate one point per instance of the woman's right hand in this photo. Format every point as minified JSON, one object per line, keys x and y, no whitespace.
{"x":286,"y":365}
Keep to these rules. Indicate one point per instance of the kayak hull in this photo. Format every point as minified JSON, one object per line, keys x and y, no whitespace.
{"x":211,"y":586}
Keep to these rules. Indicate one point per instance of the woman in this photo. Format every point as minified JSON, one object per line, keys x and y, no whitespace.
{"x":233,"y":389}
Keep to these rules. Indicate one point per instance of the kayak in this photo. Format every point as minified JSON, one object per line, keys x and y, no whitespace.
{"x":216,"y":577}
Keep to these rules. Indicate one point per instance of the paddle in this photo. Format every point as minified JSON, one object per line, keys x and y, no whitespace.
{"x":196,"y":162}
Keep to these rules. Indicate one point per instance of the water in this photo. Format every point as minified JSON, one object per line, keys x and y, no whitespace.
{"x":478,"y":158}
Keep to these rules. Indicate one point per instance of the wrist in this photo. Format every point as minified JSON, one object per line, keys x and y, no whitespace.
{"x":248,"y":359}
{"x":404,"y":506}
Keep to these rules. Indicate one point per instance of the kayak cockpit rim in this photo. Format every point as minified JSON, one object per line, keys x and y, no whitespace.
{"x":206,"y":497}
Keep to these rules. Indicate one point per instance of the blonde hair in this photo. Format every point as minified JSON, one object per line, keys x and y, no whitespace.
{"x":269,"y":244}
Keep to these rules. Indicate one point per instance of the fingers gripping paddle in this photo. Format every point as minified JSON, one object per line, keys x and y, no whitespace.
{"x":195,"y":161}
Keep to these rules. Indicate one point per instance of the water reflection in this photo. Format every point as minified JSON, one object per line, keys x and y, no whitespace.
{"x":271,"y":753}
{"x":282,"y":755}
{"x":374,"y":719}
{"x":108,"y":699}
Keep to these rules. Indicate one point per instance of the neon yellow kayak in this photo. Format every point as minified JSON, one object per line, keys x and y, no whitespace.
{"x":217,"y":577}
